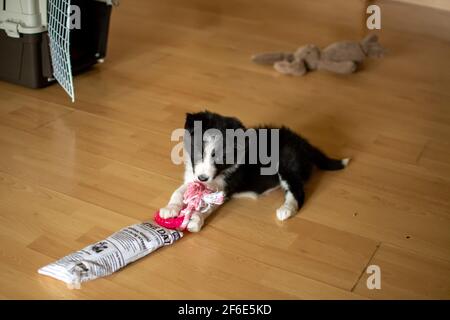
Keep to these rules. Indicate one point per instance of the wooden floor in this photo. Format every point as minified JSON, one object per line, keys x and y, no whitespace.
{"x":71,"y":174}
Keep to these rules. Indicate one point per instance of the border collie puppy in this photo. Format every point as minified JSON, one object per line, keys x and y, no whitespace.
{"x":245,"y":177}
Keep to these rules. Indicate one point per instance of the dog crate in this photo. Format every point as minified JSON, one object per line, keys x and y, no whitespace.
{"x":46,"y":40}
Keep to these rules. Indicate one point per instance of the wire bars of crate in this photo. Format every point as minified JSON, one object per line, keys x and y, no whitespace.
{"x":59,"y":33}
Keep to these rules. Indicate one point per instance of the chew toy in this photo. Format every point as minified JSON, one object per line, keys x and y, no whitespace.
{"x":111,"y":254}
{"x":198,"y":198}
{"x":133,"y":242}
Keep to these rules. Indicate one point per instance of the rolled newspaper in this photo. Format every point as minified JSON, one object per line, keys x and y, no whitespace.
{"x":111,"y":254}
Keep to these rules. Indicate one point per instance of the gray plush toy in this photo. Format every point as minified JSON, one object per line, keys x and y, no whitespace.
{"x":340,"y":57}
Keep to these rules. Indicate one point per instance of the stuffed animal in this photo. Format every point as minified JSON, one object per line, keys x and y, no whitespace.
{"x":341,"y":57}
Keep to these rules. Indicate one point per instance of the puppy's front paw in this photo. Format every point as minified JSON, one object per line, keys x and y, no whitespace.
{"x":284,"y":212}
{"x":195,"y":224}
{"x":170,"y":211}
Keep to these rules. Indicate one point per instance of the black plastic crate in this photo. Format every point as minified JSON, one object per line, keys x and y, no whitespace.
{"x":25,"y":57}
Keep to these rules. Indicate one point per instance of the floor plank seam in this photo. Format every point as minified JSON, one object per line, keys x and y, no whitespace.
{"x":67,"y":195}
{"x":96,"y":155}
{"x":42,"y":125}
{"x":127,"y":124}
{"x":276,"y":266}
{"x":419,"y":156}
{"x":365,"y":267}
{"x":418,"y":253}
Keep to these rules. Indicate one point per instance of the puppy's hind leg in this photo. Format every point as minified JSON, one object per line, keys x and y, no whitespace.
{"x":294,"y":197}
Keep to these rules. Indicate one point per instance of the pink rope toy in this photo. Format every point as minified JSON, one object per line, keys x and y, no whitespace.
{"x":198,"y":198}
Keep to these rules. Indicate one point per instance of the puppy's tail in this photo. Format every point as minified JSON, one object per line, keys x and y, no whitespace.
{"x":323,"y":162}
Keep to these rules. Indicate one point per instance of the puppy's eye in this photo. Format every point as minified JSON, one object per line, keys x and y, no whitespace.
{"x":213,"y":154}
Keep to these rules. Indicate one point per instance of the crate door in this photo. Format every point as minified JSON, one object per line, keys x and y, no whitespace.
{"x":59,"y":33}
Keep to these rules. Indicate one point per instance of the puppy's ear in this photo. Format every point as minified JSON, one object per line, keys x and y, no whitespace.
{"x":189,"y":122}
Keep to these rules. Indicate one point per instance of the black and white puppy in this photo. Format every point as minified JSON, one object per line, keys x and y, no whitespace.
{"x":205,"y":161}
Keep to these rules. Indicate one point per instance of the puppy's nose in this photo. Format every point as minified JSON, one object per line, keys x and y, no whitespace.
{"x":203,"y":177}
